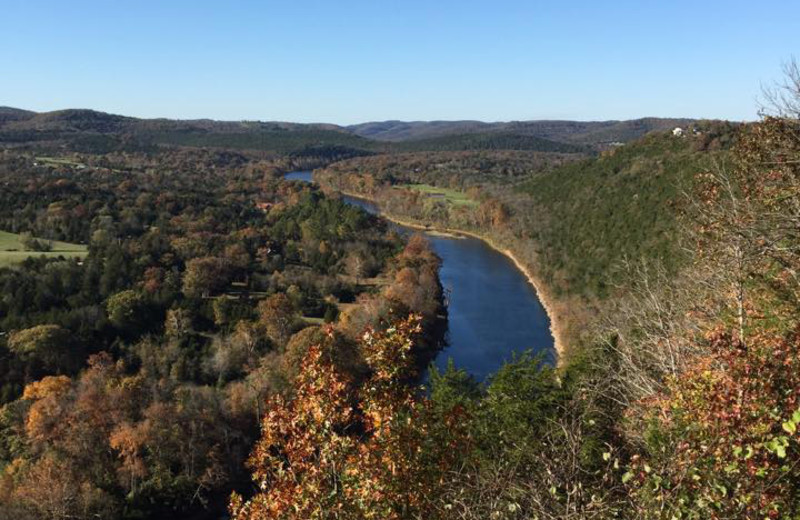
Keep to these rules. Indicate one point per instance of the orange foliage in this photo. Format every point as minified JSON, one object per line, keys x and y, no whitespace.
{"x":338,"y":452}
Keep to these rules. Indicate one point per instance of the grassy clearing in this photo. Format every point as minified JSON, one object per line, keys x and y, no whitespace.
{"x":455,"y":197}
{"x":12,"y":251}
{"x":55,"y":161}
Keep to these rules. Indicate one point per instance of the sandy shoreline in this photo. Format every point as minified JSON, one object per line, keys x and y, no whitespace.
{"x":555,"y":327}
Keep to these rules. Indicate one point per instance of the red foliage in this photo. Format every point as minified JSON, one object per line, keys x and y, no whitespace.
{"x":724,"y":438}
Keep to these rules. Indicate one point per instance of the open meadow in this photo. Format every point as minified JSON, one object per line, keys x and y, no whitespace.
{"x":12,"y":252}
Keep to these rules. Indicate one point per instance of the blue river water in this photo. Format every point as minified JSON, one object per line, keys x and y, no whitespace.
{"x":493,"y":311}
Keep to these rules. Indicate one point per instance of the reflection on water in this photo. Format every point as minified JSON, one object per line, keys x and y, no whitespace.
{"x":304,"y":176}
{"x":492,"y":309}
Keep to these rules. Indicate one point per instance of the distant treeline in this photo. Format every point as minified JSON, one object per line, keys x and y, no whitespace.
{"x":97,"y":132}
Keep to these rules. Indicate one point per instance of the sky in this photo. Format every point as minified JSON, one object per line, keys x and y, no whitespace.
{"x":345,"y":62}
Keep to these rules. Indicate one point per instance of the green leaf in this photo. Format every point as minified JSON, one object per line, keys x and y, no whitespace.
{"x":778,"y":446}
{"x":789,"y":427}
{"x":626,"y":477}
{"x":780,"y":451}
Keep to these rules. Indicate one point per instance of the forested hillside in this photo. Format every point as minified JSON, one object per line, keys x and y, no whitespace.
{"x":223,"y":342}
{"x":133,"y":378}
{"x":576,"y":132}
{"x":587,"y":216}
{"x":680,"y":397}
{"x":488,"y":141}
{"x":98,"y":132}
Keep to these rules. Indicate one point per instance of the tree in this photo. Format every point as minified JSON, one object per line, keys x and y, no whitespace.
{"x":493,"y":213}
{"x":178,"y":323}
{"x":228,"y":312}
{"x":304,"y":445}
{"x":276,"y":313}
{"x":47,"y":398}
{"x":750,"y":214}
{"x":723,"y":441}
{"x":650,"y":331}
{"x":51,"y":490}
{"x":49,"y":344}
{"x":178,"y":449}
{"x":335,"y":451}
{"x":126,"y":309}
{"x":782,"y":100}
{"x":29,"y":243}
{"x":204,"y":276}
{"x":355,"y":265}
{"x":239,"y":351}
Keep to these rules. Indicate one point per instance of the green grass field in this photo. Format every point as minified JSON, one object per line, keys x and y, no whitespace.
{"x":55,"y":161}
{"x":455,"y":197}
{"x":12,"y":252}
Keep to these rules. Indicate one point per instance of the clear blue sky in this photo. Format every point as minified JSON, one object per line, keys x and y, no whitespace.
{"x":346,"y":61}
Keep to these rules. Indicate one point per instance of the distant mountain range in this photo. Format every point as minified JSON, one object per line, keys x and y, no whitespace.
{"x":582,"y":132}
{"x":91,"y":130}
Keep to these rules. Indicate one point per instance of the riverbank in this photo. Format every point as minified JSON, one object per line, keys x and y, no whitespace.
{"x":557,"y":330}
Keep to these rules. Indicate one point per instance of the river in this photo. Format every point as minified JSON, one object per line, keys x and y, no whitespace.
{"x":493,"y":311}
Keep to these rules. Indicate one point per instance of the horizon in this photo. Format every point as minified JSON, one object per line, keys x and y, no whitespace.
{"x":428,"y":121}
{"x":356,"y":62}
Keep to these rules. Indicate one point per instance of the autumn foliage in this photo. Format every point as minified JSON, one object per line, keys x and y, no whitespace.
{"x":336,"y":450}
{"x":722,"y":439}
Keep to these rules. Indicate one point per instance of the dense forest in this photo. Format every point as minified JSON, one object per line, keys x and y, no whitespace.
{"x":576,"y":132}
{"x":218,"y":342}
{"x":133,"y":378}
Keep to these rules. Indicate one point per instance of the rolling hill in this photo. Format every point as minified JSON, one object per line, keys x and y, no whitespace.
{"x":577,"y":132}
{"x":98,"y":131}
{"x":94,"y":131}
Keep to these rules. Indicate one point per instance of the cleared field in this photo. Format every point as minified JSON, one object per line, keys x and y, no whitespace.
{"x":56,"y":161}
{"x":458,"y":198}
{"x":12,"y":252}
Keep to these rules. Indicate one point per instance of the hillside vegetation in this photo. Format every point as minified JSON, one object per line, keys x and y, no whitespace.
{"x":133,"y":381}
{"x":237,"y":345}
{"x":683,"y":400}
{"x":577,"y":218}
{"x":98,"y":132}
{"x":586,"y":217}
{"x":487,"y":141}
{"x":576,"y":132}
